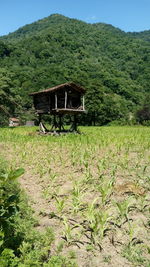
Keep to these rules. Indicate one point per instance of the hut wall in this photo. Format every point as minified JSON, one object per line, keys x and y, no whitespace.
{"x":73,"y":99}
{"x":60,"y":99}
{"x":42,"y":102}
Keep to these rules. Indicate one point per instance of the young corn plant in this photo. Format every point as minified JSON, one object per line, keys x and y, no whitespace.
{"x":142,"y":203}
{"x":88,"y":177}
{"x":131,"y":232}
{"x":77,"y":194}
{"x":103,"y":218}
{"x":90,"y":212}
{"x":73,"y":158}
{"x":86,"y":164}
{"x":98,"y":224}
{"x":106,"y":190}
{"x":60,"y":204}
{"x":94,"y":228}
{"x":113,"y":172}
{"x":97,"y":221}
{"x":101,"y":166}
{"x":123,"y":208}
{"x":67,"y":232}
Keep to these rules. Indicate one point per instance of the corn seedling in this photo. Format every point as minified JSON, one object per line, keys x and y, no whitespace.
{"x":123,"y":208}
{"x":60,"y":204}
{"x":88,"y":177}
{"x":143,"y":203}
{"x":98,"y":225}
{"x":67,"y":232}
{"x":90,"y":212}
{"x":105,"y":189}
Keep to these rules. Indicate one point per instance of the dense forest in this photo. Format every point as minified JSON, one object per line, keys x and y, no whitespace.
{"x":112,"y":65}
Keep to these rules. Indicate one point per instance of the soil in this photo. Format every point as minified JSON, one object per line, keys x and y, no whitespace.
{"x":109,"y":255}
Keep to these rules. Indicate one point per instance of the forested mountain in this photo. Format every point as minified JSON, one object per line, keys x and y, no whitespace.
{"x":145,"y":35}
{"x":113,"y":65}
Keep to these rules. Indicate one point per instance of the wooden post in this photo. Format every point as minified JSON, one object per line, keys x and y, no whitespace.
{"x":65,"y":99}
{"x":60,"y":123}
{"x":83,"y":102}
{"x":75,"y":123}
{"x":55,"y":123}
{"x":39,"y":118}
{"x":55,"y":100}
{"x":49,"y":103}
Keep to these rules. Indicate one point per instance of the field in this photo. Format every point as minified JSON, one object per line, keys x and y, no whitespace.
{"x":92,"y":189}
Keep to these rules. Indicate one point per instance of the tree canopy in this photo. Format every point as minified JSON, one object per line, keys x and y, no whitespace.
{"x":113,"y":65}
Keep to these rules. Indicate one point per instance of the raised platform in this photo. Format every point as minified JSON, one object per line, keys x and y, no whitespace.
{"x":61,"y":111}
{"x":66,"y":111}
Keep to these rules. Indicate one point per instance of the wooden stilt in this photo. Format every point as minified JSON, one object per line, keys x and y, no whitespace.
{"x":61,"y":126}
{"x":75,"y":123}
{"x":83,"y":103}
{"x":73,"y":127}
{"x":60,"y":122}
{"x":55,"y":100}
{"x":55,"y":122}
{"x":65,"y":99}
{"x":40,"y":118}
{"x":43,"y":129}
{"x":54,"y":125}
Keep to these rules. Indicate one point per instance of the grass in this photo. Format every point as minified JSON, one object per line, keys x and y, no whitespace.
{"x":94,"y":188}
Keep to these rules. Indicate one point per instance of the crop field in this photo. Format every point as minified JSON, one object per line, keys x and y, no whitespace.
{"x":92,"y":190}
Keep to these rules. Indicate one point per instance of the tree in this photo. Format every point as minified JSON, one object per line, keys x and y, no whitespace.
{"x":8,"y":95}
{"x":143,"y":114}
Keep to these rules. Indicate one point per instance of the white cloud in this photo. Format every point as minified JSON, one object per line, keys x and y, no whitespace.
{"x":91,"y":18}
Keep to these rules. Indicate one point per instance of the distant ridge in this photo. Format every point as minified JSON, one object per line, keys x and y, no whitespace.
{"x":37,"y":26}
{"x":44,"y":23}
{"x":144,"y":35}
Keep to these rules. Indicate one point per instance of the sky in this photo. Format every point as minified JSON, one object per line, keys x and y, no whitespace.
{"x":128,"y":15}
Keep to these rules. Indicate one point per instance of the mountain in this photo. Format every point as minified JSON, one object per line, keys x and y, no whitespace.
{"x":36,"y":27}
{"x":113,"y":65}
{"x":144,"y":35}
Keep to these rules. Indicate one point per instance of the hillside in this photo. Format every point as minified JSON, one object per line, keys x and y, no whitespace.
{"x":113,"y":66}
{"x":144,"y":35}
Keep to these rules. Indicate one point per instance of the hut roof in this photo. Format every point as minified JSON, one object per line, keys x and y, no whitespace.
{"x":14,"y":119}
{"x":61,"y":86}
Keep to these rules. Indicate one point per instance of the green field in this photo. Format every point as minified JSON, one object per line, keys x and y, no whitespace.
{"x":91,"y":190}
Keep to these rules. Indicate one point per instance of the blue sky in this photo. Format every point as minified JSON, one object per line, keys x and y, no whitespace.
{"x":128,"y":15}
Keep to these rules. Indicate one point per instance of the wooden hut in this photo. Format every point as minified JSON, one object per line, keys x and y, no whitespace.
{"x":67,"y":98}
{"x":13,"y":122}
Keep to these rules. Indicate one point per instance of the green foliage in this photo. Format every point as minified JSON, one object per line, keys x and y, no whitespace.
{"x":9,"y":205}
{"x":111,"y":64}
{"x":143,"y":114}
{"x":59,"y":261}
{"x":135,"y":254}
{"x":8,"y":258}
{"x":20,"y":244}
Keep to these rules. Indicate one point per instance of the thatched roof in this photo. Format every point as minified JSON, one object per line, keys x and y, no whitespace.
{"x":61,"y":86}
